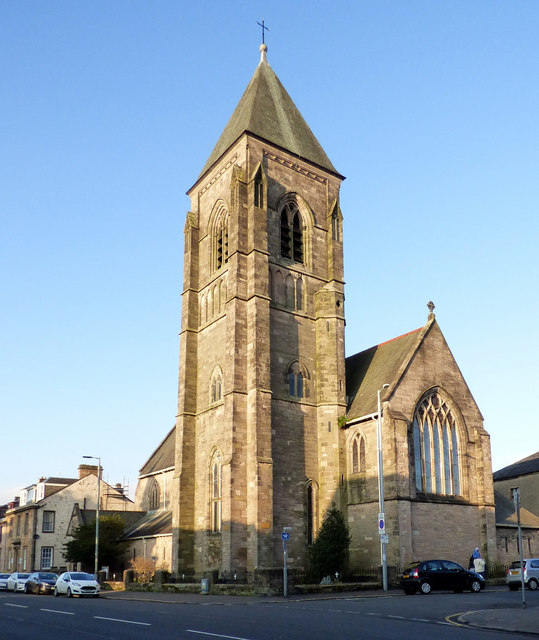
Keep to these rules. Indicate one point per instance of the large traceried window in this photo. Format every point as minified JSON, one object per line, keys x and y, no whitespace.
{"x":216,"y":492}
{"x":436,"y":450}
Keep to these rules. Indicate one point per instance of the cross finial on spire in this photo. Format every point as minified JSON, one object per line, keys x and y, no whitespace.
{"x":264,"y":28}
{"x":431,"y":307}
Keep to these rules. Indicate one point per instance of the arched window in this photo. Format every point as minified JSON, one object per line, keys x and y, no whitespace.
{"x":311,"y":510}
{"x":222,"y":243}
{"x":358,"y":454}
{"x":299,"y":294}
{"x":285,"y":235}
{"x":335,"y":224}
{"x":295,"y":381}
{"x":436,"y":453}
{"x":216,"y":386}
{"x":216,"y":492}
{"x":259,"y":189}
{"x":154,"y":495}
{"x":291,"y":233}
{"x":289,"y":292}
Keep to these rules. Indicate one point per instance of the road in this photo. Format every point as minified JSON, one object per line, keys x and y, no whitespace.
{"x":346,"y":617}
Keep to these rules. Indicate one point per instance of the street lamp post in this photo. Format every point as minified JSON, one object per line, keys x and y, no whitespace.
{"x":381,"y":517}
{"x":96,"y":557}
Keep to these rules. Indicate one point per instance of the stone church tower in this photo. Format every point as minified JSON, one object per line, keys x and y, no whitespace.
{"x":273,"y":424}
{"x":262,"y":367}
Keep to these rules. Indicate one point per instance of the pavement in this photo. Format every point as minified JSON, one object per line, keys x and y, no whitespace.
{"x":515,"y":619}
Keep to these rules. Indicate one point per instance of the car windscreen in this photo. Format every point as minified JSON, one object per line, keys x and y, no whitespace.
{"x":47,"y":576}
{"x":81,"y":576}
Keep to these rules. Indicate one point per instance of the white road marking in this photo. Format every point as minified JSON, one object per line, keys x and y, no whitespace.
{"x":144,"y":624}
{"x":65,"y":613}
{"x":215,"y":635}
{"x":19,"y":606}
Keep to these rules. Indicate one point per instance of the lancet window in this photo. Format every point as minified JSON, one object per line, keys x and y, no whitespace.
{"x":216,"y":492}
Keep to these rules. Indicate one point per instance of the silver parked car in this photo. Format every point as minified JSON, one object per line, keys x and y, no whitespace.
{"x":3,"y":581}
{"x":77,"y":583}
{"x":17,"y":581}
{"x":531,"y":574}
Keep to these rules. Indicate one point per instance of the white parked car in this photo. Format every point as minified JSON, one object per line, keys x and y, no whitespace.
{"x":17,"y":581}
{"x":77,"y":583}
{"x":3,"y":581}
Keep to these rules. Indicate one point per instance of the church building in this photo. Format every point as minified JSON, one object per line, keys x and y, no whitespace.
{"x":274,"y":424}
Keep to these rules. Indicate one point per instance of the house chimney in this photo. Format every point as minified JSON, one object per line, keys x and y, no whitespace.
{"x":87,"y":470}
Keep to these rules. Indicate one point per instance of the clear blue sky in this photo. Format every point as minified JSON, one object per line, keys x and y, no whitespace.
{"x":109,"y":111}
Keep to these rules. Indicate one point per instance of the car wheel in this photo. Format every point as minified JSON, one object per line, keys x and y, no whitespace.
{"x":56,"y":594}
{"x":513,"y":587}
{"x":475,"y":586}
{"x":425,"y":587}
{"x":26,"y":588}
{"x":532,"y":584}
{"x":69,"y":594}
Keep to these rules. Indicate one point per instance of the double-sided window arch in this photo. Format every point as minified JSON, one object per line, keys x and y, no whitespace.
{"x":358,"y":463}
{"x":436,"y":446}
{"x":297,"y":377}
{"x":216,"y":385}
{"x":292,"y":240}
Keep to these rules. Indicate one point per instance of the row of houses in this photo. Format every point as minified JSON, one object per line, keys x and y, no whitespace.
{"x":35,"y":526}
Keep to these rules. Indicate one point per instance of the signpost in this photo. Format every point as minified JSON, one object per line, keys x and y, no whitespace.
{"x":285,"y":536}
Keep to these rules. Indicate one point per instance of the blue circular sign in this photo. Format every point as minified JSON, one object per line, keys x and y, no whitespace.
{"x":381,"y":524}
{"x":285,"y":535}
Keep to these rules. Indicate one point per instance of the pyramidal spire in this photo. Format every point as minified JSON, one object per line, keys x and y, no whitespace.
{"x":267,"y":111}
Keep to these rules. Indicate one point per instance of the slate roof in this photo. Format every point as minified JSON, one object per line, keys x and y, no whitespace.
{"x":506,"y":514}
{"x":163,"y":456}
{"x":154,"y":523}
{"x":369,"y":370}
{"x":268,"y":112}
{"x":521,"y":468}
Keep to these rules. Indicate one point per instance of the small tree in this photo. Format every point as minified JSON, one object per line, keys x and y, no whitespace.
{"x":144,"y":569}
{"x":329,"y":552}
{"x":82,"y":547}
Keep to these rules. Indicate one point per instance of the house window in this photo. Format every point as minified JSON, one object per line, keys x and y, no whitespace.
{"x":18,"y":526}
{"x":436,"y":451}
{"x":216,"y":479}
{"x":48,"y":521}
{"x":26,"y":523}
{"x":291,"y":233}
{"x":295,"y":381}
{"x":358,"y":454}
{"x":46,"y":557}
